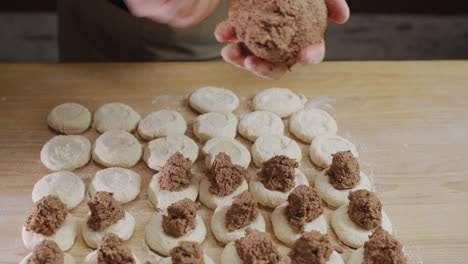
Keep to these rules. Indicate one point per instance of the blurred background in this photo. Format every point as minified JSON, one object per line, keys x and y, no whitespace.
{"x":377,"y":30}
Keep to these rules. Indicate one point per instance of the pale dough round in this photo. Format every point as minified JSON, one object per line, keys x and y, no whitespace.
{"x":69,"y":118}
{"x":162,"y":243}
{"x":162,"y":198}
{"x":168,"y":260}
{"x":162,"y":124}
{"x":271,"y":198}
{"x":212,"y":125}
{"x":357,"y":257}
{"x":349,"y":232}
{"x":123,"y":228}
{"x":66,"y":185}
{"x":67,"y":259}
{"x":218,"y":226}
{"x":212,"y":201}
{"x":230,"y":256}
{"x":125,"y":184}
{"x":92,"y":258}
{"x":335,"y":258}
{"x":64,"y":236}
{"x":324,"y":146}
{"x":115,"y":116}
{"x":286,"y":233}
{"x":66,"y":153}
{"x":117,"y":148}
{"x":158,"y":151}
{"x":335,"y":197}
{"x":213,"y":99}
{"x":280,"y":101}
{"x":259,"y":123}
{"x":239,"y":154}
{"x":268,"y":146}
{"x":310,"y":123}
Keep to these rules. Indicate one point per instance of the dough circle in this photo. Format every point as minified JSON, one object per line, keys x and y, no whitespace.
{"x":162,"y":198}
{"x":357,"y":257}
{"x":123,"y":228}
{"x":212,"y":125}
{"x":258,"y":123}
{"x":220,"y":232}
{"x":66,"y":185}
{"x":162,"y":124}
{"x":64,"y":236}
{"x":268,"y":146}
{"x":349,"y":232}
{"x":69,"y":118}
{"x":229,"y":255}
{"x":66,"y":153}
{"x":125,"y":184}
{"x":324,"y":146}
{"x":280,"y":101}
{"x":213,"y":201}
{"x":310,"y":123}
{"x":67,"y":259}
{"x":168,"y":260}
{"x":239,"y":154}
{"x":92,"y":258}
{"x":115,"y":116}
{"x":286,"y":233}
{"x":158,"y":151}
{"x":213,"y":99}
{"x":335,"y":258}
{"x":271,"y":198}
{"x":117,"y":148}
{"x":335,"y":197}
{"x":162,"y":243}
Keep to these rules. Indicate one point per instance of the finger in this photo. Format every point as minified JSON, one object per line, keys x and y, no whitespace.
{"x":168,"y":11}
{"x":200,"y":12}
{"x":263,"y":68}
{"x":312,"y":54}
{"x":233,"y":54}
{"x":186,"y":11}
{"x":338,"y":10}
{"x":144,"y":8}
{"x":224,"y":32}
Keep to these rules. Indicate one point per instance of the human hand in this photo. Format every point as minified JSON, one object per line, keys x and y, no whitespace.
{"x":338,"y":11}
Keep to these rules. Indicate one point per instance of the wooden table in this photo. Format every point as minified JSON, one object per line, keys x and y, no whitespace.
{"x":408,"y":119}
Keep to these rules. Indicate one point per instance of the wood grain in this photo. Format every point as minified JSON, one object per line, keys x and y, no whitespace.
{"x":408,"y":119}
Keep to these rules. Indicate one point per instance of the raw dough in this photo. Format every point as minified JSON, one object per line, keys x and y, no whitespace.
{"x":335,"y":258}
{"x":213,"y":99}
{"x":352,"y":234}
{"x":123,"y":183}
{"x":117,"y":148}
{"x":230,"y":256}
{"x":64,"y":236}
{"x":310,"y":123}
{"x":92,"y":258}
{"x":158,"y":151}
{"x":69,"y":118}
{"x":280,"y":101}
{"x":239,"y":154}
{"x":115,"y":116}
{"x":168,"y":260}
{"x":271,"y":198}
{"x":357,"y":257}
{"x":212,"y":125}
{"x":324,"y":146}
{"x":268,"y":146}
{"x":335,"y":197}
{"x":162,"y":243}
{"x":259,"y":123}
{"x":66,"y":153}
{"x":67,"y":186}
{"x":212,"y":201}
{"x":67,"y":259}
{"x":124,"y":229}
{"x":163,"y":198}
{"x":162,"y":124}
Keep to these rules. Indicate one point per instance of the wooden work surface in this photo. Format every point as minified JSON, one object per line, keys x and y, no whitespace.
{"x":409,"y":121}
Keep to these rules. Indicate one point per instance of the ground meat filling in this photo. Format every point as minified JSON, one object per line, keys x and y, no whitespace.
{"x":48,"y":215}
{"x":383,"y":248}
{"x":243,"y":211}
{"x":187,"y":253}
{"x":311,"y":247}
{"x":176,"y":175}
{"x":180,"y":218}
{"x":344,"y":171}
{"x":278,"y":173}
{"x":256,"y":247}
{"x":304,"y":205}
{"x":224,"y":176}
{"x":365,"y":209}
{"x":112,"y":250}
{"x":46,"y":252}
{"x":105,"y":211}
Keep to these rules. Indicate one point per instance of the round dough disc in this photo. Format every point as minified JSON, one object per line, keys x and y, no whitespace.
{"x":168,"y":260}
{"x":117,"y":148}
{"x":66,"y":153}
{"x":92,"y":258}
{"x":115,"y":116}
{"x":69,"y":118}
{"x":158,"y":151}
{"x":162,"y":124}
{"x":212,"y":125}
{"x":230,"y":256}
{"x":213,"y":99}
{"x":239,"y":154}
{"x":310,"y":123}
{"x":268,"y":146}
{"x":123,"y":183}
{"x":161,"y":199}
{"x":280,"y":101}
{"x":124,"y":229}
{"x":259,"y":123}
{"x":67,"y":186}
{"x":335,"y":258}
{"x":67,"y":259}
{"x":213,"y":201}
{"x":324,"y":146}
{"x":357,"y":257}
